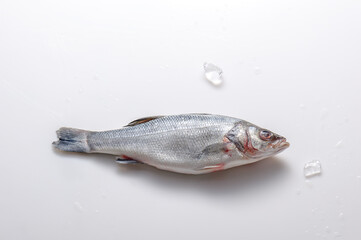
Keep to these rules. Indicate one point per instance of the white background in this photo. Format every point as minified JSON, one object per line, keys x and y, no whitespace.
{"x":290,"y":66}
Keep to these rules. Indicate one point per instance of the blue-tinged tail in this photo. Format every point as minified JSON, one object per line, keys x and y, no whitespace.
{"x":72,"y":140}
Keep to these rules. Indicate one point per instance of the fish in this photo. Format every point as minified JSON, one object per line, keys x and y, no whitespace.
{"x":185,"y":143}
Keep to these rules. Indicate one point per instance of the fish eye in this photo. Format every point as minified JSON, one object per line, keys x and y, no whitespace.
{"x":265,"y":135}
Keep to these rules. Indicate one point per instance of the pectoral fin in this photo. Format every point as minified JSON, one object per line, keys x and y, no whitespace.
{"x":218,"y":148}
{"x":214,"y":148}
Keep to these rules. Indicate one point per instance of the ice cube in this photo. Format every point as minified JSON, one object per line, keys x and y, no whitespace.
{"x":312,"y":168}
{"x":213,"y":74}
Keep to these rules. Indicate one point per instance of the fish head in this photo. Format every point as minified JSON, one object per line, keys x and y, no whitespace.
{"x":255,"y":142}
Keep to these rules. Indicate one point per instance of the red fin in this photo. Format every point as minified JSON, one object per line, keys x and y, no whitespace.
{"x":126,"y":157}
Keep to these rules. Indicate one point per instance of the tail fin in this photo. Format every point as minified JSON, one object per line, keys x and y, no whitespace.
{"x":72,"y":140}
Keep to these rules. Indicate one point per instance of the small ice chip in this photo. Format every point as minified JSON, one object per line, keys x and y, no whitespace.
{"x":213,"y":74}
{"x":312,"y":168}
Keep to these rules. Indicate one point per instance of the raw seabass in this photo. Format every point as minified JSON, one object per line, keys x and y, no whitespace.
{"x":188,"y":143}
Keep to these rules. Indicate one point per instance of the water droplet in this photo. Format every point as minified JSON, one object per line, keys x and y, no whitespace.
{"x":257,"y":70}
{"x":80,"y":91}
{"x":302,"y":106}
{"x":324,"y":113}
{"x":213,"y":74}
{"x":337,"y":234}
{"x":341,"y":215}
{"x":358,"y":177}
{"x":78,"y":206}
{"x":338,"y":200}
{"x":327,"y":229}
{"x":96,"y":77}
{"x":97,"y":211}
{"x":68,"y":99}
{"x":312,"y":168}
{"x":298,"y":192}
{"x":308,"y":183}
{"x":164,"y":66}
{"x":339,"y":144}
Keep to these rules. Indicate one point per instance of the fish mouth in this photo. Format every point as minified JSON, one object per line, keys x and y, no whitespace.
{"x":284,"y":145}
{"x":281,"y":144}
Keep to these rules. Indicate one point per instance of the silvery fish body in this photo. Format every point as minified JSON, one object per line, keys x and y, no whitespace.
{"x":189,"y":143}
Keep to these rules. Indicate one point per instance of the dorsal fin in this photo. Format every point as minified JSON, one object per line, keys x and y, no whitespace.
{"x":142,"y":120}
